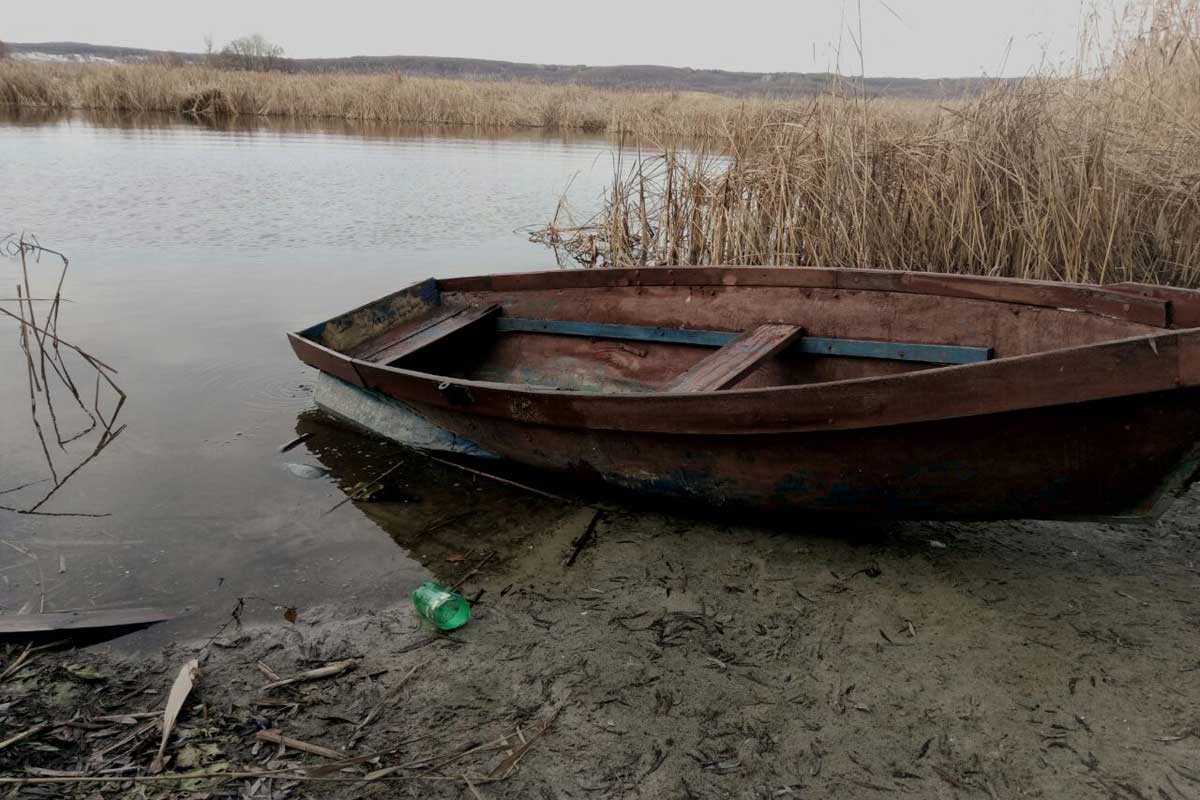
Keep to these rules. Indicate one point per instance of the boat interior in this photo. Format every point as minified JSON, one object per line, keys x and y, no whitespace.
{"x":713,"y":337}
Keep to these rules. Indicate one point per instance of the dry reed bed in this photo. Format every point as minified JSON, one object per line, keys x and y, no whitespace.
{"x":1092,"y":179}
{"x":387,"y":98}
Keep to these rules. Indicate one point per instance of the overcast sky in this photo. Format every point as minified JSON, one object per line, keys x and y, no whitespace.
{"x":923,"y":38}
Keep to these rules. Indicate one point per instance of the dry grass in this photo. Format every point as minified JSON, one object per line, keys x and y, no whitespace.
{"x":385,"y":98}
{"x":1093,"y":178}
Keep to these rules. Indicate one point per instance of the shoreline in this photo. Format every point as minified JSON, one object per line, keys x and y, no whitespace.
{"x":211,"y":93}
{"x":678,"y":656}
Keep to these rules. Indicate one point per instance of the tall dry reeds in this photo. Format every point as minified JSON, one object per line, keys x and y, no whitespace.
{"x":1092,"y":177}
{"x":385,"y":98}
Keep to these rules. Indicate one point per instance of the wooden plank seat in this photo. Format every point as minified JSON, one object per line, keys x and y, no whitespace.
{"x":813,"y":345}
{"x":737,"y":356}
{"x":736,"y":360}
{"x":436,"y":325}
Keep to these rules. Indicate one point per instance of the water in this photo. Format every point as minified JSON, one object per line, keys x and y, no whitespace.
{"x":193,"y":250}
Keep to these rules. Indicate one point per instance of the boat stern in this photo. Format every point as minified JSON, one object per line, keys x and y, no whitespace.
{"x":329,"y":346}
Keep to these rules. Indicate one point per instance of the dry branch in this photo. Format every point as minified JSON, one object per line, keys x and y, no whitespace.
{"x":275,"y":737}
{"x":327,"y":671}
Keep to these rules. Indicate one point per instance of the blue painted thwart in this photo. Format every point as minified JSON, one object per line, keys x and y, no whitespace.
{"x":813,"y":345}
{"x":635,"y":333}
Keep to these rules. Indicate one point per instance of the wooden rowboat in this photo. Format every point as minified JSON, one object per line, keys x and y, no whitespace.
{"x":881,"y":393}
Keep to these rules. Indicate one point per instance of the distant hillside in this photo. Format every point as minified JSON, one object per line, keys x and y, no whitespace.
{"x":632,"y":76}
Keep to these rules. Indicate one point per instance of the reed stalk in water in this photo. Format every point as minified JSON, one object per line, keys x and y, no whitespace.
{"x":42,"y":347}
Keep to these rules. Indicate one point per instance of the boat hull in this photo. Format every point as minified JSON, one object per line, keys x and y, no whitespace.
{"x":1117,"y":459}
{"x":1065,"y":401}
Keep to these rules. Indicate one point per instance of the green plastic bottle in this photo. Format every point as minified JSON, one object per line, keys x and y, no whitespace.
{"x":445,"y":609}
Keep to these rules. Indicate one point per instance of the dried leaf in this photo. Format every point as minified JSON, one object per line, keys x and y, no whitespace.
{"x":455,"y":558}
{"x":84,"y":672}
{"x":187,"y":757}
{"x":195,"y":755}
{"x":290,"y":614}
{"x":179,"y":692}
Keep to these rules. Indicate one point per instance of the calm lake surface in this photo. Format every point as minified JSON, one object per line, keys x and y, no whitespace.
{"x":192,"y":251}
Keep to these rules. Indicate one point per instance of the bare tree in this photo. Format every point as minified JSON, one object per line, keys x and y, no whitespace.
{"x":253,"y":52}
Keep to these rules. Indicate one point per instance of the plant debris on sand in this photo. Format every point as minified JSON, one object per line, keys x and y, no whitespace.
{"x":640,"y":654}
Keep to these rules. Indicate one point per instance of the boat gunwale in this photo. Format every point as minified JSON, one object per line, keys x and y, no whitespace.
{"x":1182,"y":372}
{"x":1099,"y":300}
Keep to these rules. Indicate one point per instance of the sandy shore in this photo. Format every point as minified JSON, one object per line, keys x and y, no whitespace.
{"x":685,"y":657}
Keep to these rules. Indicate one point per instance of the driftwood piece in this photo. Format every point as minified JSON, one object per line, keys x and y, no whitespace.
{"x":24,"y":624}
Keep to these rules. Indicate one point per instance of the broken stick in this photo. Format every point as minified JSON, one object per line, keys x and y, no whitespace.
{"x":327,"y":671}
{"x":275,"y":737}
